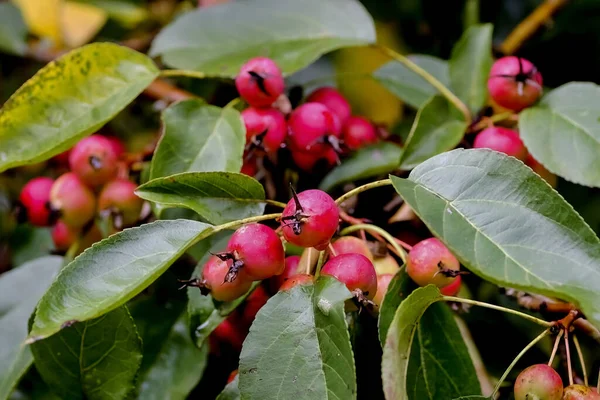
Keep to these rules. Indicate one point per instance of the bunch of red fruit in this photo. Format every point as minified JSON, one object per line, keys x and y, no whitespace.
{"x":320,"y":129}
{"x":514,"y":84}
{"x":92,"y":186}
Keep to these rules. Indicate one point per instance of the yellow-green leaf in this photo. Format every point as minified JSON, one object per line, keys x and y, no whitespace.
{"x":69,"y":99}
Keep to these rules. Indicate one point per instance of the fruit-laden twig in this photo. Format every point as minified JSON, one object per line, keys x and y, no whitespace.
{"x":530,"y":25}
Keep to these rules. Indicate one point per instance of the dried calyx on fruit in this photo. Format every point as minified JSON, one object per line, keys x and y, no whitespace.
{"x":310,"y":219}
{"x":514,"y":83}
{"x":314,"y":129}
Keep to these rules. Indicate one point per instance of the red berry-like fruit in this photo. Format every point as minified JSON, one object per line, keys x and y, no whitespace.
{"x":62,"y":159}
{"x":265,"y":128}
{"x":214,"y":273}
{"x":355,"y":271}
{"x":358,"y":132}
{"x":290,"y":269}
{"x":254,"y":302}
{"x":260,"y":82}
{"x":383,"y":281}
{"x":63,"y":236}
{"x":229,"y":332}
{"x":301,"y":279}
{"x":307,"y":161}
{"x":580,"y":392}
{"x":94,"y":161}
{"x":232,"y":375}
{"x":310,"y":219}
{"x":453,"y":288}
{"x":258,"y":250}
{"x":250,"y":166}
{"x":34,"y":197}
{"x":314,"y":129}
{"x":74,"y":201}
{"x":503,"y":140}
{"x":117,"y":145}
{"x":350,"y":245}
{"x":538,"y":381}
{"x":119,"y":197}
{"x":514,"y":83}
{"x":430,"y":262}
{"x":333,"y":100}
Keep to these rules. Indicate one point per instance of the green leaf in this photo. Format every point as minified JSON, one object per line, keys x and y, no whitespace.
{"x":199,"y":138}
{"x":218,"y":197}
{"x":13,"y":30}
{"x":566,"y":122}
{"x":113,"y":271}
{"x":399,"y":288}
{"x":231,"y":391}
{"x":29,"y":242}
{"x":370,"y":161}
{"x":299,"y":346}
{"x":68,"y":99}
{"x":95,"y":360}
{"x":292,"y":33}
{"x":409,"y":86}
{"x":440,"y":366}
{"x":20,"y":290}
{"x":178,"y":368}
{"x":507,"y":225}
{"x":438,"y":127}
{"x":470,"y":65}
{"x":397,"y":349}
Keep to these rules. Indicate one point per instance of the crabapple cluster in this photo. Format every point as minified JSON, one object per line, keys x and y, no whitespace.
{"x":319,"y":130}
{"x":514,"y":84}
{"x":90,"y":186}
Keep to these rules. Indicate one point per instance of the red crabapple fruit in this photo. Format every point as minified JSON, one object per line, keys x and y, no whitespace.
{"x":333,"y":100}
{"x":314,"y":129}
{"x":300,"y":279}
{"x":94,"y":160}
{"x":214,"y":279}
{"x":258,"y":250}
{"x":34,"y":198}
{"x":358,"y":132}
{"x":310,"y":219}
{"x":260,"y":82}
{"x":356,"y":272}
{"x":73,"y":200}
{"x":430,"y":262}
{"x":503,"y":140}
{"x":266,"y":129}
{"x":514,"y":83}
{"x":383,"y":281}
{"x":538,"y":381}
{"x":119,"y":197}
{"x":350,"y":244}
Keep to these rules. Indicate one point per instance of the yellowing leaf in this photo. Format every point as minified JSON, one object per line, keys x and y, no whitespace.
{"x":80,"y":22}
{"x":42,"y":17}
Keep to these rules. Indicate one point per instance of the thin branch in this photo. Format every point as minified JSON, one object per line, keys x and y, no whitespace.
{"x":530,"y":25}
{"x":444,"y":91}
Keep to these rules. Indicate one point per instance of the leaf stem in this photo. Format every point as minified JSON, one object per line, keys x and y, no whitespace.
{"x":499,"y":308}
{"x":517,"y":358}
{"x":363,"y":188}
{"x":555,"y":348}
{"x":368,"y":227}
{"x":581,"y":359}
{"x":568,"y":350}
{"x":240,"y":222}
{"x":444,"y":91}
{"x":320,"y":263}
{"x":182,"y":72}
{"x":275,"y":203}
{"x":309,"y":261}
